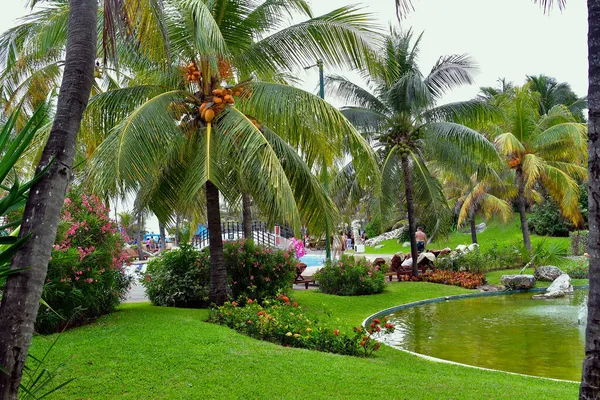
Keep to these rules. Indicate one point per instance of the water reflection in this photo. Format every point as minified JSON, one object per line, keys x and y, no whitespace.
{"x":508,"y":332}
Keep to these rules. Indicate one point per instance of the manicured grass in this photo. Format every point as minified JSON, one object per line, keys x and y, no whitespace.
{"x":494,"y":277}
{"x":147,"y":352}
{"x":496,"y":232}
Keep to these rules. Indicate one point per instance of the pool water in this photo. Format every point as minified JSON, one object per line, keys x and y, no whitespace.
{"x":506,"y":332}
{"x":313,"y":261}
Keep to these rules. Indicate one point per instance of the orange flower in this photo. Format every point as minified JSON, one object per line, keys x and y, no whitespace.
{"x":336,"y":332}
{"x":250,"y":301}
{"x":233,"y":303}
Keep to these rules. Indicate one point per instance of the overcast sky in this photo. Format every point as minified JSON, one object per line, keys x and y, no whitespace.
{"x":507,"y":38}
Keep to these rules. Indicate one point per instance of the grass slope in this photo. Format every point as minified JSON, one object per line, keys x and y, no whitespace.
{"x":496,"y":232}
{"x":147,"y":352}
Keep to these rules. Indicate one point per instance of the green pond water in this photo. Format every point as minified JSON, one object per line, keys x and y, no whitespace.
{"x":506,"y":332}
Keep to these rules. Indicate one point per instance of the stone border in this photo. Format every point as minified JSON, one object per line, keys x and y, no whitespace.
{"x":390,"y":310}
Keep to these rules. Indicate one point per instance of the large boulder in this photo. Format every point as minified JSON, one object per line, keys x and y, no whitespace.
{"x":480,"y":227}
{"x":559,"y":288}
{"x":547,"y":273}
{"x":516,"y":282}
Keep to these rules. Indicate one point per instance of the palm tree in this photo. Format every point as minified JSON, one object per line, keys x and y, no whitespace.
{"x":22,"y":292}
{"x":403,"y":116}
{"x":553,"y":93}
{"x":547,"y":151}
{"x":198,"y":118}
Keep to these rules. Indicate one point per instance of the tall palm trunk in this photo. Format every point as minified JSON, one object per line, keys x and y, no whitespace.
{"x":177,"y":227}
{"x":247,"y":215}
{"x":21,"y":298}
{"x":163,"y":237}
{"x":218,"y":273}
{"x":140,"y":224}
{"x":523,"y":207}
{"x":410,"y":208}
{"x":473,"y":228}
{"x":590,"y":381}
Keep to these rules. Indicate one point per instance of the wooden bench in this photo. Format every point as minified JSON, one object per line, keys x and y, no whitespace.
{"x":299,"y":279}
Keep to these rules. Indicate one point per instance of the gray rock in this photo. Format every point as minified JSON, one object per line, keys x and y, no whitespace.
{"x":406,"y":244}
{"x":379,"y":246}
{"x":491,"y":288}
{"x":384,"y":236}
{"x":480,"y":227}
{"x":547,"y":273}
{"x":516,"y":282}
{"x":559,"y":288}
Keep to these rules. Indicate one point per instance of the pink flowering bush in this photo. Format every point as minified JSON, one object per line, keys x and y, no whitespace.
{"x":350,"y":277}
{"x":85,"y":275}
{"x":298,"y":247}
{"x":258,"y":272}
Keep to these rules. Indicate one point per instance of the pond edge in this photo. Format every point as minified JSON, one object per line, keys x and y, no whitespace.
{"x":390,"y":310}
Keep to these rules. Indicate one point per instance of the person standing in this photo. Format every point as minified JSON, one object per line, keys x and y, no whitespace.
{"x":421,"y":239}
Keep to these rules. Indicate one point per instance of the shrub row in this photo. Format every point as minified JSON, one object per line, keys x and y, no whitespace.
{"x":284,"y":322}
{"x":466,"y":280}
{"x":350,"y":277}
{"x":477,"y":261}
{"x":181,"y":278}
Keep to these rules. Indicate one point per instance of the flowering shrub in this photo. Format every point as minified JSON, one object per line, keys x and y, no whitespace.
{"x":85,"y":275}
{"x":298,"y":247}
{"x":179,"y":278}
{"x":258,"y":272}
{"x":466,"y":280}
{"x":580,"y":270}
{"x":350,"y":277}
{"x":282,"y":321}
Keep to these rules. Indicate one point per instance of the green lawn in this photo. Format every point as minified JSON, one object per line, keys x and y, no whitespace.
{"x":502,"y":234}
{"x":146,"y":352}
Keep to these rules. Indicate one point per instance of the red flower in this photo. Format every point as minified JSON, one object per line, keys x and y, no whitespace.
{"x":233,"y":303}
{"x":376,"y":321}
{"x":250,"y":301}
{"x":295,"y":304}
{"x":389,"y":326}
{"x":336,"y":332}
{"x":362,"y":344}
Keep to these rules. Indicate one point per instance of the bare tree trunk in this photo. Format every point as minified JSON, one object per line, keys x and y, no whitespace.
{"x":21,"y":298}
{"x":163,"y":237}
{"x":177,"y":227}
{"x":410,"y":208}
{"x":247,"y":215}
{"x":218,"y":273}
{"x":140,"y":224}
{"x":590,"y":380}
{"x":523,"y":208}
{"x":473,"y":228}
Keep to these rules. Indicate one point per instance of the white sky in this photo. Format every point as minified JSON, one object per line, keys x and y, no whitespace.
{"x":507,"y":38}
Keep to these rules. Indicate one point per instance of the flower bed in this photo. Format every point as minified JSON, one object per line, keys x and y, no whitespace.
{"x":465,"y":280}
{"x":283,"y":321}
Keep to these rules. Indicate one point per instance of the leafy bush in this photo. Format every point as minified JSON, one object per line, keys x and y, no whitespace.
{"x":350,"y":277}
{"x":579,"y":242}
{"x":373,"y":228}
{"x":547,"y":220}
{"x":258,"y":272}
{"x":466,"y":280}
{"x":283,"y":322}
{"x":404,"y":234}
{"x":580,"y":270}
{"x":478,"y":261}
{"x":179,"y":278}
{"x":85,"y":275}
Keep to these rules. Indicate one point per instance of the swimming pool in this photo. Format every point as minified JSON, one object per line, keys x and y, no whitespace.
{"x":313,"y":260}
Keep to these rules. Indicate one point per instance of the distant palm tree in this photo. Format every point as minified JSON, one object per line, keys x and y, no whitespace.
{"x":549,"y":150}
{"x":553,"y":93}
{"x":410,"y":128}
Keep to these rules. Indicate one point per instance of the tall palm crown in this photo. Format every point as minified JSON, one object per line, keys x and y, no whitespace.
{"x":547,"y":151}
{"x":401,"y":112}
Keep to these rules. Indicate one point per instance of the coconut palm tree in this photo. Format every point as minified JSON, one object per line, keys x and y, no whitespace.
{"x":553,"y":93}
{"x":214,"y":109}
{"x":547,"y":151}
{"x":401,"y":113}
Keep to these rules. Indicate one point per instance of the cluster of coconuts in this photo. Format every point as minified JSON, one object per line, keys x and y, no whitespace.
{"x":191,"y":73}
{"x":514,"y":162}
{"x":221,"y":97}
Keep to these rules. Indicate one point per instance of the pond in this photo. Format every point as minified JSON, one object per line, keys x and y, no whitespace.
{"x":505,"y":332}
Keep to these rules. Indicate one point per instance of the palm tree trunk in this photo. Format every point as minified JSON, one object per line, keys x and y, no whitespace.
{"x":218,"y":273}
{"x":410,"y":208}
{"x":247,"y":215}
{"x":473,"y":228}
{"x":21,"y":298}
{"x":590,"y":380}
{"x":140,"y":223}
{"x":523,"y":208}
{"x":177,"y":224}
{"x":163,"y":237}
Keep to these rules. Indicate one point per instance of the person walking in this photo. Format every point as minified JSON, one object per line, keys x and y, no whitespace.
{"x":421,"y":239}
